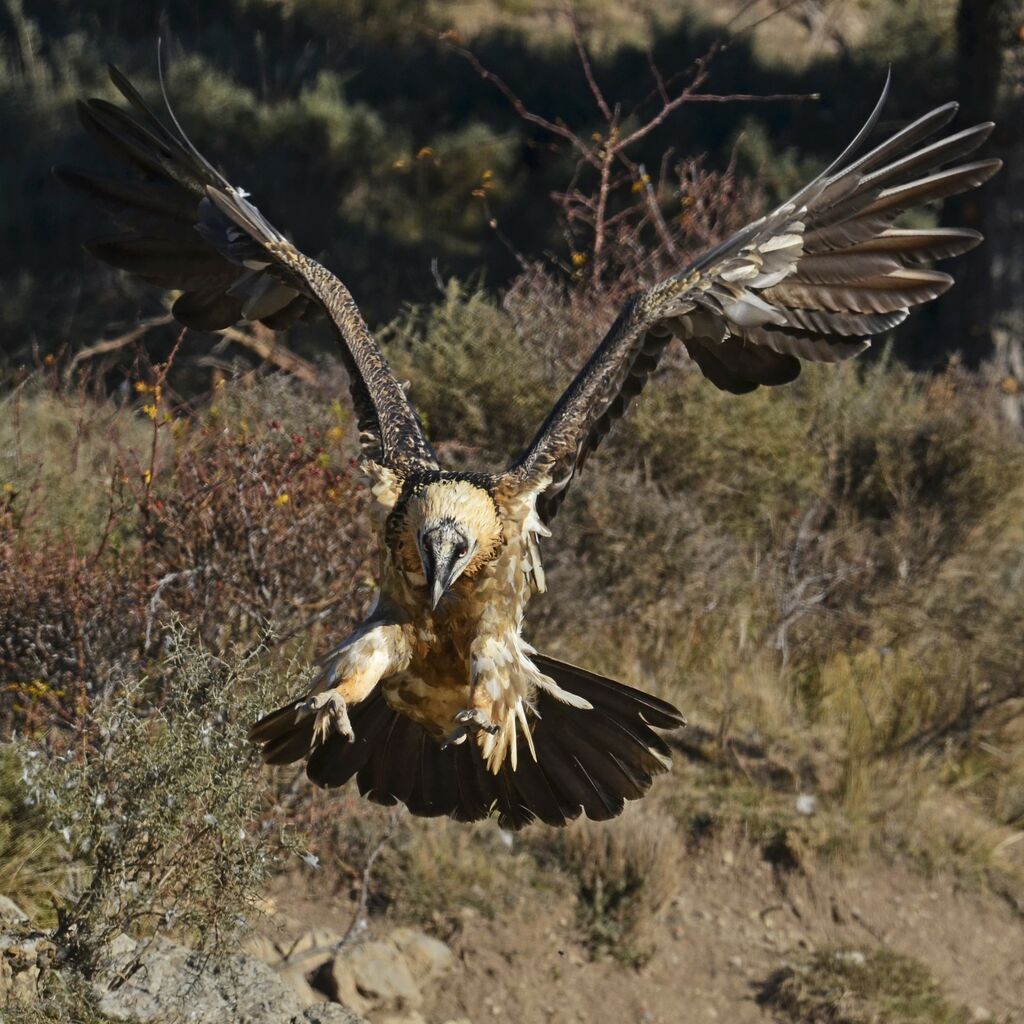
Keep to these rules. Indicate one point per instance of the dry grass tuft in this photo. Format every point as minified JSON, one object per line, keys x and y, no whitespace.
{"x":624,"y":873}
{"x":850,"y":986}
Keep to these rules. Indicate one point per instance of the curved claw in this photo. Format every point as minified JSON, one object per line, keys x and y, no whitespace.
{"x":331,"y":715}
{"x":467,"y":721}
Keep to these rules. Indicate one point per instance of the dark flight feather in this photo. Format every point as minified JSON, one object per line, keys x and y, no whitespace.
{"x":826,"y":262}
{"x":588,"y":761}
{"x":184,"y":226}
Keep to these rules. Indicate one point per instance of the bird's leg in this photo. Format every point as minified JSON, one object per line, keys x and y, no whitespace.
{"x":485,"y":655}
{"x":349,"y":676}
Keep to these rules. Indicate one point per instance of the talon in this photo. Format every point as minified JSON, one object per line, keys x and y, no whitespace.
{"x":469,"y":720}
{"x":331,"y":715}
{"x":455,"y":736}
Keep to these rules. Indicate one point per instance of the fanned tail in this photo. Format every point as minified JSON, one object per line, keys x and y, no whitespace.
{"x":589,"y":760}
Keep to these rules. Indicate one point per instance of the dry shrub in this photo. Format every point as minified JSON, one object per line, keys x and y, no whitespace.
{"x":625,"y":872}
{"x":32,"y":866}
{"x":256,"y":525}
{"x":850,"y":986}
{"x":158,"y":806}
{"x":237,"y":519}
{"x":70,"y":627}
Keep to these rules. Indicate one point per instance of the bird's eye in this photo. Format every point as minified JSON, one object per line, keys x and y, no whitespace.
{"x":461,"y":549}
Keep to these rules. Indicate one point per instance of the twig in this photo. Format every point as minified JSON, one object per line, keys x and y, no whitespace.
{"x":743,"y":97}
{"x":288,"y":960}
{"x":672,"y":105}
{"x":555,"y":128}
{"x":157,"y":389}
{"x":140,"y":330}
{"x":767,"y":17}
{"x":154,"y":601}
{"x":588,"y":70}
{"x":655,"y":213}
{"x":364,"y":887}
{"x":272,"y":351}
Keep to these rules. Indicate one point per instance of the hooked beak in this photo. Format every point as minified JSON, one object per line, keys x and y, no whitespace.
{"x":440,"y":556}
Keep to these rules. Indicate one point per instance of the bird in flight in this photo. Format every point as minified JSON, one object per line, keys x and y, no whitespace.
{"x":437,"y":700}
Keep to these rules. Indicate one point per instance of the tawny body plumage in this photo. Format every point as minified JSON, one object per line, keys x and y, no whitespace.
{"x":436,"y":700}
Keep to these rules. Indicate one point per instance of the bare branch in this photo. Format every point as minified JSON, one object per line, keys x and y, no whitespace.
{"x":154,"y":601}
{"x":139,"y":331}
{"x":588,"y":70}
{"x":291,"y":958}
{"x":658,"y":80}
{"x":767,"y":17}
{"x":265,"y":344}
{"x":555,"y":128}
{"x":743,"y":97}
{"x":654,"y":212}
{"x":674,"y":104}
{"x":599,"y":213}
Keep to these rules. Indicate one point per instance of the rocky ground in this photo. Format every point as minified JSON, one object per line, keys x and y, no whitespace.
{"x":737,"y":923}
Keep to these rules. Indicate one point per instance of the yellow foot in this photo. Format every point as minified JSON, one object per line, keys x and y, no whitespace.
{"x":467,"y":721}
{"x":331,"y":715}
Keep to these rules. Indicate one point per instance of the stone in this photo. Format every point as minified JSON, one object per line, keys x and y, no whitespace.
{"x":173,"y":982}
{"x":852,"y":956}
{"x":295,"y":961}
{"x":298,"y":982}
{"x":262,"y":948}
{"x":311,"y":949}
{"x":404,"y":1018}
{"x":373,"y":975}
{"x":24,"y":954}
{"x":806,"y":804}
{"x":428,"y":958}
{"x":332,"y":1013}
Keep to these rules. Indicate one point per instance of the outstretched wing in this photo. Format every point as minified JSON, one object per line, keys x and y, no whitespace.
{"x":182,"y":225}
{"x":812,"y":280}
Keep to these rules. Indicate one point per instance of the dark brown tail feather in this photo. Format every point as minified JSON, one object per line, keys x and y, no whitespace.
{"x":588,"y":762}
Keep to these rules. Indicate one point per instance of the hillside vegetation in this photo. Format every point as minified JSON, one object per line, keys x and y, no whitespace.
{"x":826,"y":578}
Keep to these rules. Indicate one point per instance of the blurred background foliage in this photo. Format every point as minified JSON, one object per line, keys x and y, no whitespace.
{"x":828,"y":578}
{"x":358,"y":129}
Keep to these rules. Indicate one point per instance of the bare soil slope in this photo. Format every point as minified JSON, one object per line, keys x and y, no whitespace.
{"x":735,"y":921}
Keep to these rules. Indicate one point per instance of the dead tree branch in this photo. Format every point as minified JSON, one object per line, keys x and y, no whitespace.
{"x":609,"y":195}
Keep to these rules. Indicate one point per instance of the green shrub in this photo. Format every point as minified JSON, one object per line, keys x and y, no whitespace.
{"x":160,"y":803}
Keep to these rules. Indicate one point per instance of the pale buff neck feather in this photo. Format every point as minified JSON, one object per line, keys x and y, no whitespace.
{"x":470,"y":507}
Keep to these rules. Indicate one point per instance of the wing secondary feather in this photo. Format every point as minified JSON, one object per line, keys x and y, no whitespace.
{"x":182,"y":225}
{"x":811,"y":281}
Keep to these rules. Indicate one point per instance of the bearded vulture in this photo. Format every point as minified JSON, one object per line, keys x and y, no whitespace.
{"x":436,"y":700}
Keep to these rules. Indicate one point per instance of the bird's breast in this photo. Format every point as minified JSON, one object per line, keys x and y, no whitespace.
{"x":434,"y":687}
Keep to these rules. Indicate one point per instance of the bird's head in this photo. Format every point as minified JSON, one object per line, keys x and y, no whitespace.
{"x":455,"y":528}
